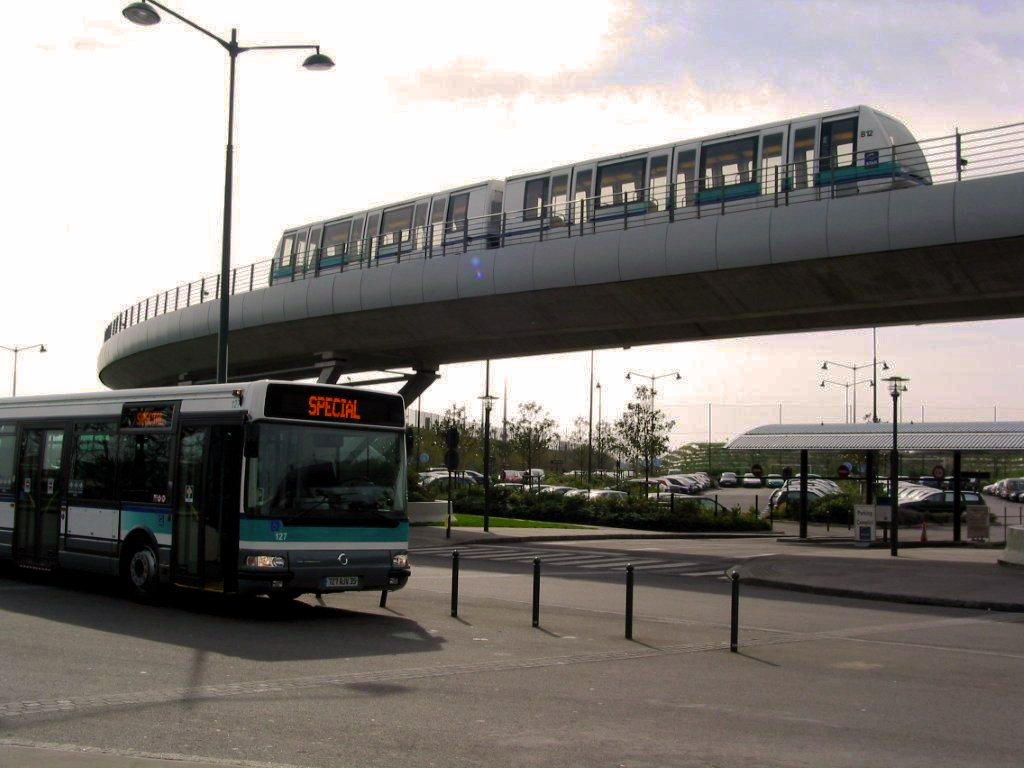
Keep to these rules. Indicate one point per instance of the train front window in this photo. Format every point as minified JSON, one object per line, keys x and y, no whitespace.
{"x":621,"y":182}
{"x":395,"y":222}
{"x":458,"y":211}
{"x":731,"y":162}
{"x":326,"y":474}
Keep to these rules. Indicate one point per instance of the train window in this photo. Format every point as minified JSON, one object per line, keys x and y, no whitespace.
{"x":533,"y":199}
{"x":458,"y":211}
{"x":372,"y":222}
{"x":300,"y":244}
{"x":356,"y":238}
{"x":437,"y":222}
{"x":559,"y":197}
{"x":419,"y":222}
{"x":771,"y":161}
{"x":313,"y":246}
{"x":803,"y":158}
{"x":659,"y":183}
{"x":336,"y":239}
{"x":686,"y":177}
{"x":838,"y":143}
{"x":287,"y":250}
{"x":583,"y":193}
{"x":731,"y":162}
{"x":395,"y":222}
{"x":621,"y":182}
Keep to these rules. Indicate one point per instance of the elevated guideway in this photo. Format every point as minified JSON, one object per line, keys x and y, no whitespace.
{"x":835,"y":255}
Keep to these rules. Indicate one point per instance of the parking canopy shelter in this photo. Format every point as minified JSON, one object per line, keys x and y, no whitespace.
{"x":954,"y":437}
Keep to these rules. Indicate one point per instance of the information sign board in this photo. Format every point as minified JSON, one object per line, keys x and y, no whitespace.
{"x":864,"y":524}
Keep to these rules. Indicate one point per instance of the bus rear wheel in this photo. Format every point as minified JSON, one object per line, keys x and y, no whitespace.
{"x":142,"y":573}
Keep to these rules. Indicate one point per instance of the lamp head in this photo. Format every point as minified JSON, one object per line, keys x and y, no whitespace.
{"x":318,"y":62}
{"x":42,"y":348}
{"x":141,"y":14}
{"x":627,"y":377}
{"x":885,"y":366}
{"x":824,"y":366}
{"x":678,"y":377}
{"x":822,"y":385}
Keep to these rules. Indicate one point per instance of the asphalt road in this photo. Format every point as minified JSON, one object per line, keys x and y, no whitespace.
{"x":819,"y":681}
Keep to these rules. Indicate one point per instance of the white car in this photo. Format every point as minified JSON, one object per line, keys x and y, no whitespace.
{"x":750,"y":480}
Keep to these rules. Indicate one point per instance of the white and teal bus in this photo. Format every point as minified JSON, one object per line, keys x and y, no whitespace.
{"x":266,"y":487}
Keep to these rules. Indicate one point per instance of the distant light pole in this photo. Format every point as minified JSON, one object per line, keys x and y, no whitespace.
{"x":873,"y":381}
{"x":488,"y":400}
{"x":846,"y":385}
{"x":15,"y":351}
{"x":140,"y":13}
{"x":897,"y":386}
{"x":600,"y":443}
{"x":590,"y":427}
{"x":651,"y":378}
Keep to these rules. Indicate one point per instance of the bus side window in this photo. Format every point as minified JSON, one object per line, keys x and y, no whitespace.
{"x":94,"y":463}
{"x":143,"y":467}
{"x":8,"y":449}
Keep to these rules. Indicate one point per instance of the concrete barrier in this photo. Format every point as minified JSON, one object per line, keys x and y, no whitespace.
{"x":427,"y":511}
{"x":1014,"y":552}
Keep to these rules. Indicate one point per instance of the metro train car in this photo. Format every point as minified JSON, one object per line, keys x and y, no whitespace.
{"x":838,"y":153}
{"x":424,"y":226}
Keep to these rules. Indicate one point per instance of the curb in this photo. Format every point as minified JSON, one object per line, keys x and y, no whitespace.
{"x":837,"y":540}
{"x":943,"y":602}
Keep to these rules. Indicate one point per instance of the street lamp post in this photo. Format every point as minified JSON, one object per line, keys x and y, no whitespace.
{"x":488,"y":400}
{"x":846,"y":386}
{"x":142,"y":14}
{"x":651,"y":378}
{"x":897,"y":386}
{"x":15,"y":351}
{"x":600,"y":444}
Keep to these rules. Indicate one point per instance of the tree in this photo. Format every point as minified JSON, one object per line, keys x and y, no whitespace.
{"x":531,"y":432}
{"x":604,"y":443}
{"x":578,"y":441}
{"x":642,"y":432}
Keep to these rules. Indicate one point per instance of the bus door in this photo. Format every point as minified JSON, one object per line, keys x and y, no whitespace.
{"x":205,"y":535}
{"x":39,"y":494}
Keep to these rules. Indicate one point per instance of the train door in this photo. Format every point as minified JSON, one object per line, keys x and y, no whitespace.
{"x":40,"y":492}
{"x":802,"y":155}
{"x":657,"y":181}
{"x":772,"y":170}
{"x":558,"y":213}
{"x":205,"y":534}
{"x":583,"y":193}
{"x":685,"y":181}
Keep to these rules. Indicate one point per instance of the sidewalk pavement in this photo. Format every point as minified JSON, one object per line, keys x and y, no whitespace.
{"x":944,"y":575}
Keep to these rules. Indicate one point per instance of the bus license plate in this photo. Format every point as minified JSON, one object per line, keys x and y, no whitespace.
{"x":342,"y":581}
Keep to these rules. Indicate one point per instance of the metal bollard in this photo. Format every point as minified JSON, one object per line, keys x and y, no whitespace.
{"x":734,"y":632}
{"x":455,"y":582}
{"x":536,"y":591}
{"x":384,"y":598}
{"x":757,"y":505}
{"x":629,"y":601}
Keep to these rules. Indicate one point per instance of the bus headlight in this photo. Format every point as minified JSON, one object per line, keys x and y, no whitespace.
{"x":400,"y":560}
{"x":264,"y":561}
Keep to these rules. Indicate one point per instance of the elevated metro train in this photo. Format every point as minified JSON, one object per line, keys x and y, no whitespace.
{"x":847,"y":151}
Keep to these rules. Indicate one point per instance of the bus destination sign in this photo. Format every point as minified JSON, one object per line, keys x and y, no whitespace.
{"x":147,"y":416}
{"x":331,"y":404}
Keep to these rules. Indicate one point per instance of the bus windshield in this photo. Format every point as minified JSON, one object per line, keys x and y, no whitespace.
{"x":327,"y":476}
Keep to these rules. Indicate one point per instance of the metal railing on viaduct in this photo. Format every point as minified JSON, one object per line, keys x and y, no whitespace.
{"x":976,"y":154}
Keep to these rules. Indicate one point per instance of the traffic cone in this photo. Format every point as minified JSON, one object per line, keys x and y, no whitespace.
{"x":924,"y":531}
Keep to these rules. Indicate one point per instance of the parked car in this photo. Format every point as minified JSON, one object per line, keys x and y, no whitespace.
{"x":728,"y":480}
{"x":941,"y":501}
{"x":598,"y":493}
{"x":750,"y":480}
{"x":560,"y":490}
{"x":791,"y":496}
{"x":704,"y":479}
{"x":773,"y":481}
{"x":679,"y":483}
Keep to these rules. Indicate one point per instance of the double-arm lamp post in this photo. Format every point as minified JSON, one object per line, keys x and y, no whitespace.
{"x":15,"y":351}
{"x":846,"y":385}
{"x":142,"y":13}
{"x":897,"y":386}
{"x":650,"y":437}
{"x":872,"y":382}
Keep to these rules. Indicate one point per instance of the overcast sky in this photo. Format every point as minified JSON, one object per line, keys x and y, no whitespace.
{"x":114,"y":146}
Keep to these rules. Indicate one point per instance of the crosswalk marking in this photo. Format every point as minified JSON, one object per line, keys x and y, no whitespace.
{"x":564,"y":558}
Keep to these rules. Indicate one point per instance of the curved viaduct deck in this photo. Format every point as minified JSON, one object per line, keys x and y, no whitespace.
{"x":947,"y":252}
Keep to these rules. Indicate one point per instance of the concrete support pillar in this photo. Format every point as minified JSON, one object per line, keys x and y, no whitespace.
{"x":957,"y":505}
{"x":869,"y":477}
{"x":803,"y":494}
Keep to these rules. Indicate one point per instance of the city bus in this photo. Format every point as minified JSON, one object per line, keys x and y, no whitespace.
{"x":262,"y":488}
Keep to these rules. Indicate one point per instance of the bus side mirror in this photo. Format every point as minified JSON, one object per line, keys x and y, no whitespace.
{"x":251,"y":449}
{"x":410,"y":441}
